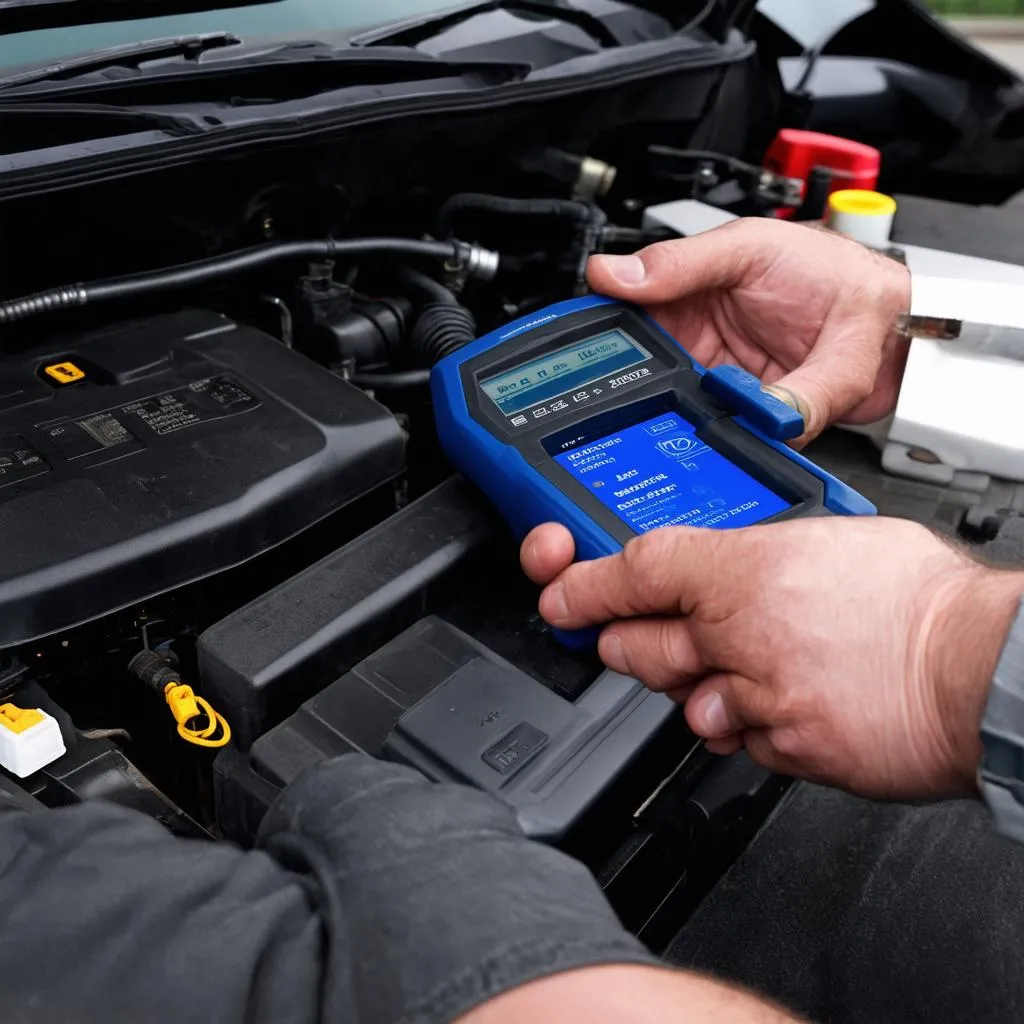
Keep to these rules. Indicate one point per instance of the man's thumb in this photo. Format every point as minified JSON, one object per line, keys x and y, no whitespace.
{"x":834,"y":379}
{"x":671,"y":270}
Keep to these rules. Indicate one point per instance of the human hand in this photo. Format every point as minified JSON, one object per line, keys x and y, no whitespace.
{"x":803,"y":309}
{"x":853,"y":652}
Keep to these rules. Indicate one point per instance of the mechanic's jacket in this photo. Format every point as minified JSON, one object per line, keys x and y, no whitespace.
{"x":374,"y":896}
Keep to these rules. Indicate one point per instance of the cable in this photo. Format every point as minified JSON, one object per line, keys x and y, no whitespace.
{"x":670,"y":153}
{"x":561,"y":209}
{"x":699,"y":18}
{"x":472,"y":259}
{"x":631,"y":239}
{"x":108,"y":734}
{"x":397,"y":381}
{"x":740,"y":15}
{"x":587,"y":220}
{"x":757,"y":182}
{"x":811,"y":57}
{"x":427,"y":287}
{"x":205,"y":271}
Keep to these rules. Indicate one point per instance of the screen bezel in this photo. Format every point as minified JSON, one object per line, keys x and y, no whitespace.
{"x":547,"y":337}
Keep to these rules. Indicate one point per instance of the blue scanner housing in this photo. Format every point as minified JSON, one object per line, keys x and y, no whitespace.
{"x":588,"y":414}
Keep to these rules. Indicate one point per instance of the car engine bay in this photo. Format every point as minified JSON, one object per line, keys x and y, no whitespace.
{"x":219,"y":470}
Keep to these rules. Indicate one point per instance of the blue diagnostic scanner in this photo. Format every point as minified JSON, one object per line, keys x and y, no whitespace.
{"x":588,"y":414}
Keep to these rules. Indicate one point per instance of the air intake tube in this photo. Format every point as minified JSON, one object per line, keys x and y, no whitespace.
{"x":443,"y":327}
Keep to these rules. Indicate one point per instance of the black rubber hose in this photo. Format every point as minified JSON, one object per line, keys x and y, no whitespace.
{"x":443,"y":325}
{"x":562,"y":209}
{"x":425,"y":286}
{"x":631,"y":239}
{"x":816,"y":193}
{"x":398,"y":380}
{"x":441,"y":329}
{"x":205,"y":271}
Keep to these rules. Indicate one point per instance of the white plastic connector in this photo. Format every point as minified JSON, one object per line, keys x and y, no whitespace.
{"x":30,"y":739}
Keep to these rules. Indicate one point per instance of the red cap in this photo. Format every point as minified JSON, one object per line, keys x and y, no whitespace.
{"x":795,"y":153}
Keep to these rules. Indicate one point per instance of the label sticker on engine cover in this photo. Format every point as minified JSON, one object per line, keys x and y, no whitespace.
{"x":19,"y":460}
{"x":198,"y":402}
{"x":75,"y":439}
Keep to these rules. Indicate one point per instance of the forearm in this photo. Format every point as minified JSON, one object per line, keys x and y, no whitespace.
{"x":629,"y":995}
{"x":971,"y":627}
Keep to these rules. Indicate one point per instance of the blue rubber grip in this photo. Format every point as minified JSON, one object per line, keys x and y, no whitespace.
{"x":578,"y":639}
{"x":526,"y":498}
{"x":742,"y":392}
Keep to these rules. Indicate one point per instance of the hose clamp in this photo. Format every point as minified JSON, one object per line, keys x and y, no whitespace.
{"x":473,"y":261}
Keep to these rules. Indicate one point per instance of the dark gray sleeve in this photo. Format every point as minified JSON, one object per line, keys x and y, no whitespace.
{"x":377,"y":897}
{"x":107,"y":917}
{"x":445,"y":903}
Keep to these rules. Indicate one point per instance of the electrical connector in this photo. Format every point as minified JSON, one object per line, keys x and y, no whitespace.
{"x":30,"y":739}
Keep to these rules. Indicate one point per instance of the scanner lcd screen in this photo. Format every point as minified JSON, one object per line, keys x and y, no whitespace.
{"x":659,"y":473}
{"x":563,"y":371}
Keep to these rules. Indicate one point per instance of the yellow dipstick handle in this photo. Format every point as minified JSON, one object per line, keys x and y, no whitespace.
{"x":185,"y":705}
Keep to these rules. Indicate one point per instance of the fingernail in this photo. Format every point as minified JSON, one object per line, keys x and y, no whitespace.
{"x":613,"y":654}
{"x":715,"y":717}
{"x":555,"y":605}
{"x":531,"y":550}
{"x":793,"y":400}
{"x":626,"y":269}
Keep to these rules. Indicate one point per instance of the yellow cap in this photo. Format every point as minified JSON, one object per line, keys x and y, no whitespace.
{"x":64,"y":373}
{"x":18,"y":719}
{"x":861,"y":203}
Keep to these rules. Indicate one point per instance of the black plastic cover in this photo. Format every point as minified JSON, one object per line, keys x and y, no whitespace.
{"x":172,"y":448}
{"x":259,"y":663}
{"x":439,"y":700}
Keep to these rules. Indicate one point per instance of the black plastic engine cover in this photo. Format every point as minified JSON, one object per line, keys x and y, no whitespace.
{"x":188,"y":444}
{"x":439,"y":700}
